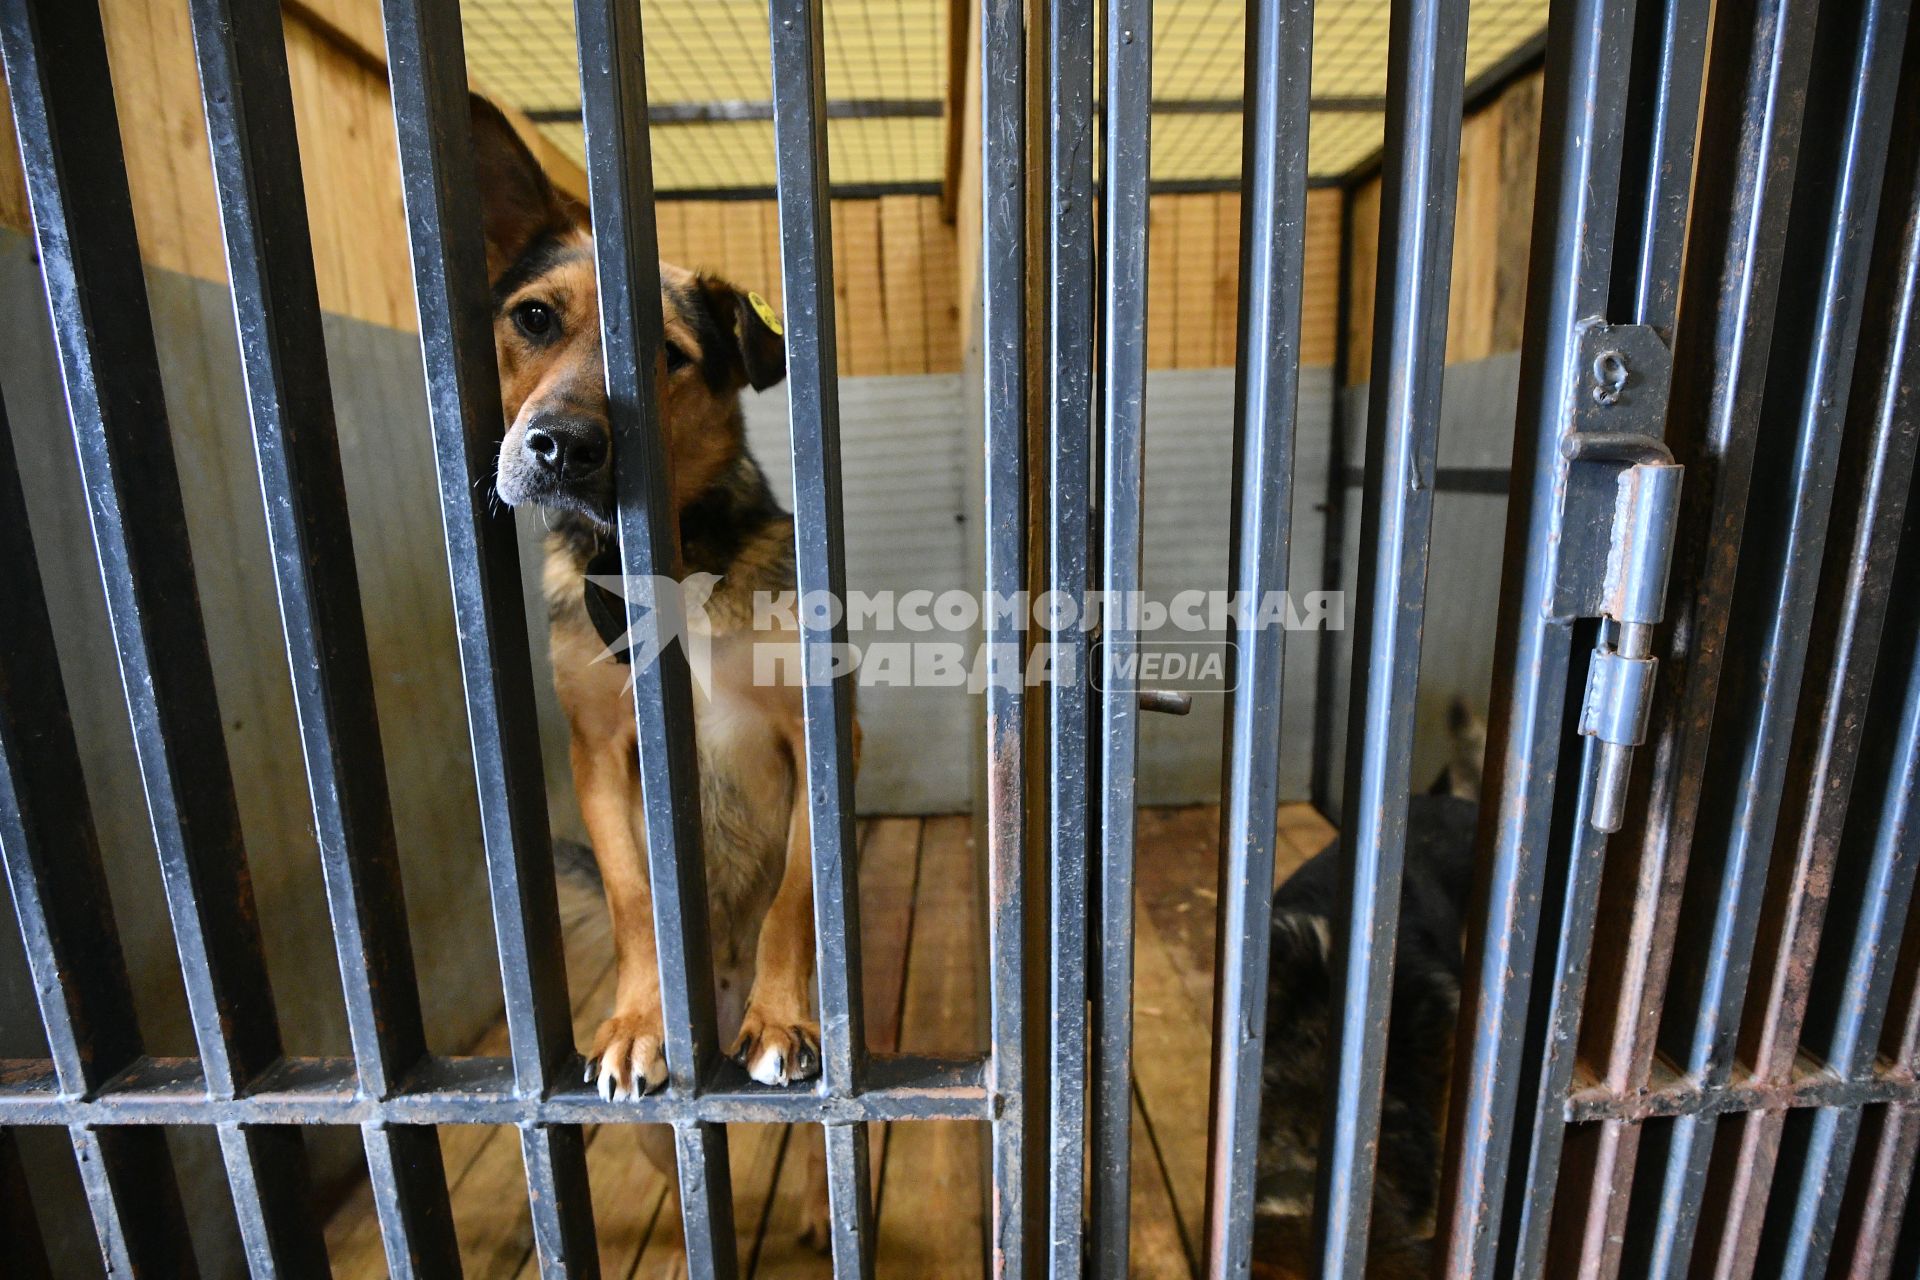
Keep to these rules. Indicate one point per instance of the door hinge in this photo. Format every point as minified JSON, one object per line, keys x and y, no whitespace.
{"x":1620,"y":503}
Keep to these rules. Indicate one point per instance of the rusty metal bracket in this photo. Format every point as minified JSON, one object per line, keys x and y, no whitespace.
{"x":1614,"y":535}
{"x":1616,"y":414}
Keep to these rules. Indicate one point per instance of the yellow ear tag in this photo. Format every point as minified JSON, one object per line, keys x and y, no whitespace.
{"x":764,"y":309}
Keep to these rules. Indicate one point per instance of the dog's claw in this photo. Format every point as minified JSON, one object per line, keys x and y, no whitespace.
{"x":777,"y":1051}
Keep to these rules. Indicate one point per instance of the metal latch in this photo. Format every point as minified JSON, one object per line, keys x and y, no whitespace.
{"x":1614,"y":538}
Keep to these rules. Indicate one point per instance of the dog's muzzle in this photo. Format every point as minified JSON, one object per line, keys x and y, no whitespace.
{"x":567,"y":449}
{"x":559,"y":461}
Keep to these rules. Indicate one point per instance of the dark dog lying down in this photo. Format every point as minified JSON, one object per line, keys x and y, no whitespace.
{"x":1426,"y":996}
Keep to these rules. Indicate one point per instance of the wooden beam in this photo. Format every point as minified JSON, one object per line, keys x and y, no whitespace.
{"x":356,"y":27}
{"x":959,"y":19}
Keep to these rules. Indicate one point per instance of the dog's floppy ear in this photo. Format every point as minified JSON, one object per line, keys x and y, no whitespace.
{"x":741,"y":340}
{"x":763,"y":342}
{"x":518,"y":204}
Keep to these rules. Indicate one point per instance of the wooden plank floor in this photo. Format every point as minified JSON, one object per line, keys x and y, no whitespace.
{"x":922,"y":934}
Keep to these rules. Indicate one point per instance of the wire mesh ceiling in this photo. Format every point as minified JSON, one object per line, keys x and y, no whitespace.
{"x":708,"y":80}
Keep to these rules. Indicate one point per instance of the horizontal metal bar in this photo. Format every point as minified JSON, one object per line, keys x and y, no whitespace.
{"x":878,"y":190}
{"x":729,"y":110}
{"x":841,"y":191}
{"x":1811,"y":1085}
{"x":322,"y":1091}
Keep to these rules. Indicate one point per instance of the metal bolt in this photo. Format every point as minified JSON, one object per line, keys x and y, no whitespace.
{"x":1610,"y":375}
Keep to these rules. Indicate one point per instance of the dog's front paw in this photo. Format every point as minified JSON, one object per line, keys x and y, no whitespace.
{"x":629,"y":1056}
{"x":777,"y":1048}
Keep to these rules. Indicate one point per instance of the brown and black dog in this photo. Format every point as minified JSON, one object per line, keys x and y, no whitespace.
{"x":557,"y":454}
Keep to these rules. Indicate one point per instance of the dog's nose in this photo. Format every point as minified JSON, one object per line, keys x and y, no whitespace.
{"x":569,"y":448}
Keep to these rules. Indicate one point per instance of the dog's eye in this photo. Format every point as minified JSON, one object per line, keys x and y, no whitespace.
{"x":535,"y":319}
{"x":676,"y":357}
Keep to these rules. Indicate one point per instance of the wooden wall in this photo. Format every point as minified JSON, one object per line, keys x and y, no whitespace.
{"x":1193,"y":279}
{"x":895,"y":272}
{"x":894,"y":259}
{"x":1492,"y":225}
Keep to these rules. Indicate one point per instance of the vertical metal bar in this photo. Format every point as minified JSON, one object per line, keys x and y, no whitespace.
{"x":1661,"y":119}
{"x":1326,"y":668}
{"x":620,"y":179}
{"x":1273,"y":223}
{"x":241,"y":49}
{"x":1426,"y":76}
{"x":1581,"y":145}
{"x":1835,"y":210}
{"x":1003,"y":293}
{"x":1869,"y":895}
{"x":1896,"y":1152}
{"x":1860,"y":988}
{"x":1070,"y":356}
{"x":1669,"y":45}
{"x":1125,"y":150}
{"x":427,"y":67}
{"x":62,"y":92}
{"x":72,"y":944}
{"x":1780,"y":551}
{"x":1545,"y":1090}
{"x":806,"y":237}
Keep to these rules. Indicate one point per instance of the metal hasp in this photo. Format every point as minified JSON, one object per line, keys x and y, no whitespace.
{"x":1619,"y":504}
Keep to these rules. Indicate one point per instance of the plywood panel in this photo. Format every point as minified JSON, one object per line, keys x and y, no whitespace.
{"x":1226,"y":278}
{"x":940,"y":267}
{"x":749,"y":258}
{"x":1366,"y":251}
{"x":1163,"y":282}
{"x":903,"y":280}
{"x":1320,"y":279}
{"x":1519,"y":158}
{"x":1195,"y":261}
{"x":863,"y":318}
{"x":1476,"y":240}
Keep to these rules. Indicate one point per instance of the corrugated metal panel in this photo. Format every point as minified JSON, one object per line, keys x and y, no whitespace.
{"x":1189,"y":468}
{"x":903,"y":442}
{"x":1463,"y":575}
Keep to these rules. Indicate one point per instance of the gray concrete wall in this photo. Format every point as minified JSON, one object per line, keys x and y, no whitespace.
{"x":1463,"y":570}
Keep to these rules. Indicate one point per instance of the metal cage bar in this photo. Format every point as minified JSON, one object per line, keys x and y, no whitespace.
{"x":64,"y":115}
{"x":1581,"y":151}
{"x":1003,"y":327}
{"x":1426,"y":76}
{"x":432,"y":120}
{"x":1896,"y":1144}
{"x":72,"y":943}
{"x":1070,"y":352}
{"x":241,"y":49}
{"x":1867,"y":901}
{"x":1273,"y":217}
{"x":1757,"y":78}
{"x":1124,"y":149}
{"x":1835,"y":208}
{"x":806,"y":238}
{"x":1660,"y":117}
{"x":620,"y":182}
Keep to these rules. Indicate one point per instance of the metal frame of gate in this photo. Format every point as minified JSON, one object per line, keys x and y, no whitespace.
{"x":1753,"y":676}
